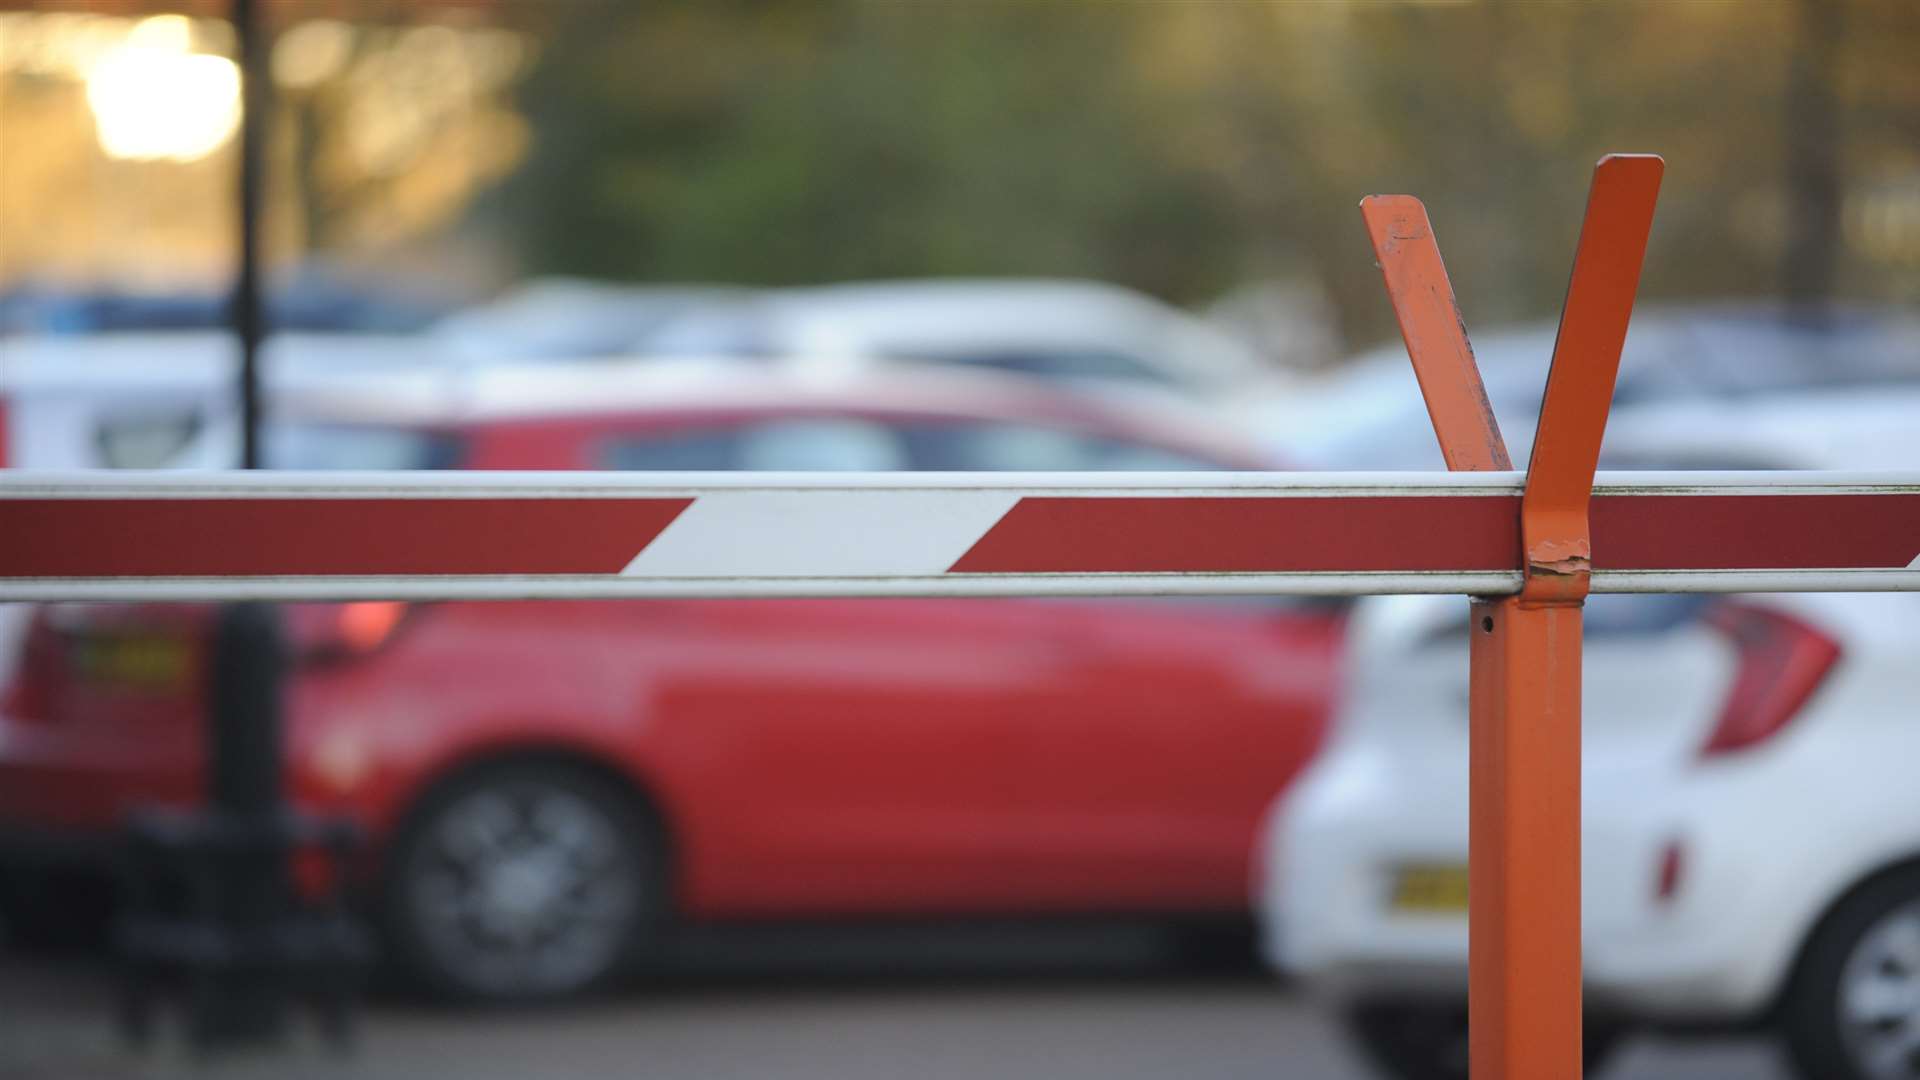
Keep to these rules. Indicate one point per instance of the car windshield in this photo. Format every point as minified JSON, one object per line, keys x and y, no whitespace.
{"x":346,"y":447}
{"x":1059,"y":363}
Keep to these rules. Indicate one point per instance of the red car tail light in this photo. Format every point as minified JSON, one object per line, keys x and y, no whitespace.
{"x":1782,"y":662}
{"x":332,"y":633}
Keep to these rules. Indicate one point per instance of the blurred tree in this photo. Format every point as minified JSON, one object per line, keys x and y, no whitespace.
{"x":1182,"y":147}
{"x":804,"y":142}
{"x":1813,"y":137}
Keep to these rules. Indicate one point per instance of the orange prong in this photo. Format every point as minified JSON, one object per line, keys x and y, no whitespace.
{"x":1586,"y":362}
{"x":1436,"y":335}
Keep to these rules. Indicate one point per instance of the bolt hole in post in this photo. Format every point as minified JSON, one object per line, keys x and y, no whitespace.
{"x":1486,"y":625}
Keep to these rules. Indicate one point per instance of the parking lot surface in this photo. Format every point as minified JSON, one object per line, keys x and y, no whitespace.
{"x":953,"y":1014}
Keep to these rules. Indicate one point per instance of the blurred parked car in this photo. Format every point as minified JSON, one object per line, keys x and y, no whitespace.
{"x":158,"y":398}
{"x":558,"y":318}
{"x":1083,"y":332}
{"x":165,"y":399}
{"x":1751,"y":826}
{"x":1709,"y":360}
{"x":548,"y":783}
{"x":311,"y":300}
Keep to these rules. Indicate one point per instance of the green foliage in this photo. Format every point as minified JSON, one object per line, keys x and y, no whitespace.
{"x":1180,"y":147}
{"x":806,"y":144}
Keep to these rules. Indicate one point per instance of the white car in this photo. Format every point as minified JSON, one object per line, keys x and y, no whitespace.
{"x":137,"y":399}
{"x":1751,"y":806}
{"x":1083,"y":332}
{"x":562,"y":318}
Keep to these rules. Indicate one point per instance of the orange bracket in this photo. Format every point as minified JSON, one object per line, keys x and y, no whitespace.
{"x":1586,"y":362}
{"x":1524,"y":924}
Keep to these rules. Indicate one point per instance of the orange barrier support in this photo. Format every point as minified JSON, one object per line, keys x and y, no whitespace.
{"x":1435,"y":333}
{"x":1524,"y":1001}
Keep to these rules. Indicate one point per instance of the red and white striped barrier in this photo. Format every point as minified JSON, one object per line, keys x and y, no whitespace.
{"x":122,"y":536}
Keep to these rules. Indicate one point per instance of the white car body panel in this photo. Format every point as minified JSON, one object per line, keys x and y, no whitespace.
{"x":1772,"y":835}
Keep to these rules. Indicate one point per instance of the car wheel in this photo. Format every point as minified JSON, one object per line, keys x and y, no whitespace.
{"x":522,"y":882}
{"x":1852,"y":1011}
{"x":1427,"y":1040}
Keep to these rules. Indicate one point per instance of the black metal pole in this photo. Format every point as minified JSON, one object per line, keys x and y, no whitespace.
{"x":244,"y":947}
{"x":244,"y":999}
{"x":256,"y":100}
{"x":246,"y":1002}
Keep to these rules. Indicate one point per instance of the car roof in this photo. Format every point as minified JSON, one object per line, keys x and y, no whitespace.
{"x":589,"y":391}
{"x":943,"y":306}
{"x":570,"y":318}
{"x":939,"y":318}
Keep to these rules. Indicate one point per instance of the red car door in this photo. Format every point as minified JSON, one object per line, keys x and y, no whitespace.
{"x":1191,"y":716}
{"x":878,"y":755}
{"x":979,"y":755}
{"x":962,"y":755}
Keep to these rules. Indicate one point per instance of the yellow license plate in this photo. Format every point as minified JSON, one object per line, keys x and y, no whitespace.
{"x":1430,"y":889}
{"x":147,"y":663}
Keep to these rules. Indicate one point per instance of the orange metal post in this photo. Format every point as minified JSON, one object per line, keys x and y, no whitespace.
{"x":1524,"y":924}
{"x":1523,"y":995}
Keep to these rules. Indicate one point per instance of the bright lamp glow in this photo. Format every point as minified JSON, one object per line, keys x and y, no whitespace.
{"x":154,"y":98}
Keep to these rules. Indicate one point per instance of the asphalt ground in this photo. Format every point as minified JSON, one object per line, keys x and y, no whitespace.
{"x":860,"y":1007}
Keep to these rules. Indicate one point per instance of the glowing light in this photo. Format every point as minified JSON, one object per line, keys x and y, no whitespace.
{"x":154,"y":98}
{"x":311,"y":53}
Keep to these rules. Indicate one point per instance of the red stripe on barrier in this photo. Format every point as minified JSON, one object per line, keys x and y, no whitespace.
{"x":325,"y":537}
{"x":1336,"y":534}
{"x":1755,"y":532}
{"x":1441,"y":533}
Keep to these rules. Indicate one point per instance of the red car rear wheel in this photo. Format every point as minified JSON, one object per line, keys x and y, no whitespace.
{"x":522,"y":881}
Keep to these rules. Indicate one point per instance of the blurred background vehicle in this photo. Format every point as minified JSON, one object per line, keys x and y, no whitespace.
{"x":1688,"y":373}
{"x":1752,"y":846}
{"x":1082,"y":332}
{"x":549,"y":784}
{"x":131,"y":378}
{"x":567,"y":318}
{"x":63,"y":387}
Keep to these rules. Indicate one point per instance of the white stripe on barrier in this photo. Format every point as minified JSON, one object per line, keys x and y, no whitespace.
{"x":867,"y":534}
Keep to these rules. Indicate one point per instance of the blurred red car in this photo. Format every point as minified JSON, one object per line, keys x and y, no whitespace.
{"x":546,"y":783}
